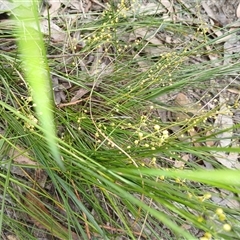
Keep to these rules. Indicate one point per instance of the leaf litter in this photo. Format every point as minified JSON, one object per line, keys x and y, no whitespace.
{"x":157,"y":42}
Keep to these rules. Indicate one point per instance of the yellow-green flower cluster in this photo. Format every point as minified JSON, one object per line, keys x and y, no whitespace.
{"x":220,"y":215}
{"x":205,"y":196}
{"x":146,"y":133}
{"x":154,"y":139}
{"x":104,"y":34}
{"x":206,"y":236}
{"x":31,"y":124}
{"x":203,"y":28}
{"x":164,"y":68}
{"x":122,"y":8}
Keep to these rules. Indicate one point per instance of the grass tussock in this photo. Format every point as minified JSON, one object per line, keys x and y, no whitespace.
{"x":124,"y":144}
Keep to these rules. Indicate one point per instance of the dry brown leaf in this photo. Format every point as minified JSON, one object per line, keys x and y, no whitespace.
{"x":80,"y":6}
{"x":184,"y":103}
{"x":57,"y":34}
{"x":209,"y":143}
{"x":224,"y":159}
{"x":54,"y":6}
{"x":233,"y":90}
{"x":234,"y":156}
{"x":219,"y":19}
{"x":187,"y":6}
{"x":224,"y":122}
{"x":59,"y":96}
{"x":185,"y":157}
{"x":238,"y":11}
{"x":192,"y":132}
{"x":181,"y":164}
{"x":209,"y":11}
{"x":186,"y":106}
{"x":182,"y":100}
{"x":150,"y":9}
{"x":234,"y":25}
{"x":212,"y":56}
{"x":226,"y":199}
{"x":97,"y":5}
{"x":145,"y":34}
{"x":227,"y":37}
{"x":12,"y":237}
{"x":101,"y":68}
{"x":155,"y":51}
{"x":145,"y":9}
{"x":231,"y":46}
{"x":79,"y":94}
{"x":208,"y":165}
{"x":21,"y":156}
{"x":77,"y":5}
{"x":168,"y":5}
{"x":144,"y":65}
{"x":59,"y":89}
{"x":186,"y":226}
{"x":222,"y":19}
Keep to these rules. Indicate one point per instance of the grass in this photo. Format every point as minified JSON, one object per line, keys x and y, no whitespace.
{"x":119,"y":178}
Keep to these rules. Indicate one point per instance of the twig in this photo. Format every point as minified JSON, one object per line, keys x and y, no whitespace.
{"x":71,"y":103}
{"x":98,"y":3}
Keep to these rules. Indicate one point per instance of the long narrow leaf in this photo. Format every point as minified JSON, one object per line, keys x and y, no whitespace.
{"x":33,"y":54}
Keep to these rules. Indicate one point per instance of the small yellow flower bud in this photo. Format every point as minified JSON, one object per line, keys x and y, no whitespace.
{"x":165,"y":133}
{"x":154,"y":160}
{"x":157,"y":127}
{"x":208,"y":235}
{"x":207,"y":195}
{"x":227,"y":227}
{"x":219,"y":211}
{"x":222,"y":217}
{"x":200,"y":219}
{"x":140,"y":134}
{"x":136,"y":142}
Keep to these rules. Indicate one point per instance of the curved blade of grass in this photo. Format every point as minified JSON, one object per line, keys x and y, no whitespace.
{"x":220,"y":178}
{"x":33,"y":54}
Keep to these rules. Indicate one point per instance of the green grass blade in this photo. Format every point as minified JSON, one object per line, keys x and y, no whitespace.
{"x":33,"y":55}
